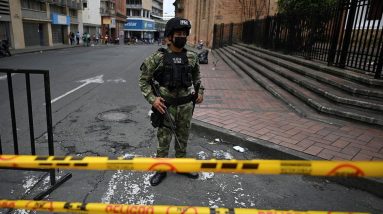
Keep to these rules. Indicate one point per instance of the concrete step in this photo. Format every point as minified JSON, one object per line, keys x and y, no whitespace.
{"x":320,"y":88}
{"x":350,"y":74}
{"x":264,"y":82}
{"x":317,"y":73}
{"x":310,"y":98}
{"x":290,"y":100}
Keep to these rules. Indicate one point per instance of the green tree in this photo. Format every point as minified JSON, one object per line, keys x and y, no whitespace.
{"x":305,"y":7}
{"x":306,"y":21}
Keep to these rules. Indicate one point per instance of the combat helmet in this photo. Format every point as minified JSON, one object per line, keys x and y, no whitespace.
{"x":177,"y":24}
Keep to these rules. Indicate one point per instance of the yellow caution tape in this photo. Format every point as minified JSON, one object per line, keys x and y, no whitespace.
{"x":97,"y":208}
{"x":315,"y":168}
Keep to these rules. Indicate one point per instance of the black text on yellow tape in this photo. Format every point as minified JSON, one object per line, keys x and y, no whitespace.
{"x":98,"y":208}
{"x":302,"y":167}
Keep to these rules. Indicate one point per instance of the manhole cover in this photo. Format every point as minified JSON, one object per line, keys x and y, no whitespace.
{"x":114,"y":116}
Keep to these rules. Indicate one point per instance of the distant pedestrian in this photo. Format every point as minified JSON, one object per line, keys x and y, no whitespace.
{"x":78,"y":37}
{"x":83,"y":39}
{"x":88,"y":39}
{"x":71,"y":38}
{"x":97,"y":38}
{"x":106,"y":39}
{"x":94,"y":39}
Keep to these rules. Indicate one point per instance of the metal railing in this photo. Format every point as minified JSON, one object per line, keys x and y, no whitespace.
{"x":74,"y":20}
{"x":226,"y":34}
{"x":34,"y":14}
{"x":135,"y":6}
{"x":107,"y":12}
{"x":347,"y":34}
{"x":48,"y":111}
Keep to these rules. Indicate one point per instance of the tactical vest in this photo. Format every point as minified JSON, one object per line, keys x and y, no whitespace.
{"x":176,"y":71}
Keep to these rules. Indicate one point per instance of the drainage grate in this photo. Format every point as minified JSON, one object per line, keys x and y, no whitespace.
{"x":115,"y":116}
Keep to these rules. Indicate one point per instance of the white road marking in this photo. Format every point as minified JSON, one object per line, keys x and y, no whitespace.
{"x":97,"y":79}
{"x":119,"y":80}
{"x":4,"y":77}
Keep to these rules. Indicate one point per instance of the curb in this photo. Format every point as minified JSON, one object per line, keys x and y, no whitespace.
{"x":370,"y":185}
{"x":42,"y":49}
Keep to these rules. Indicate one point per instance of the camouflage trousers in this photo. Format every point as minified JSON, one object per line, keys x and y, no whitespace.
{"x":181,"y":115}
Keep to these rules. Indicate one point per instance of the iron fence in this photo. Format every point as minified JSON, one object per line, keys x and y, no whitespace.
{"x":347,"y":34}
{"x":48,"y":111}
{"x":226,"y":34}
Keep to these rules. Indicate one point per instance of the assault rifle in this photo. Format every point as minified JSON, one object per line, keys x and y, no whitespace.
{"x":157,"y":118}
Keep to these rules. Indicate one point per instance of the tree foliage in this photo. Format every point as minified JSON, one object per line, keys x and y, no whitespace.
{"x":305,"y":7}
{"x":306,"y":21}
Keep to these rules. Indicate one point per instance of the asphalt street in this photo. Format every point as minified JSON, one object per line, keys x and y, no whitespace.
{"x":91,"y":88}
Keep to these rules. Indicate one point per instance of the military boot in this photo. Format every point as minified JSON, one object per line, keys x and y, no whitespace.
{"x":157,"y":178}
{"x":192,"y":175}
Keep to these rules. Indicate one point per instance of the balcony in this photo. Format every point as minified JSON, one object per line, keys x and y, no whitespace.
{"x":74,"y":20}
{"x":34,"y":14}
{"x":134,"y":6}
{"x":157,"y":5}
{"x":107,"y":12}
{"x":46,"y":1}
{"x":73,"y":4}
{"x":156,"y":15}
{"x":56,"y":2}
{"x":63,"y":3}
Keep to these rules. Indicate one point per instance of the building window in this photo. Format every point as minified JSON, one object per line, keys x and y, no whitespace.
{"x":85,"y":5}
{"x":57,"y":9}
{"x":376,"y":9}
{"x":73,"y":13}
{"x":134,"y":2}
{"x":136,"y":13}
{"x":34,"y":5}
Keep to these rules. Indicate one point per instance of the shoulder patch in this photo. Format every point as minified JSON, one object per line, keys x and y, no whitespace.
{"x":143,"y":67}
{"x":163,"y":50}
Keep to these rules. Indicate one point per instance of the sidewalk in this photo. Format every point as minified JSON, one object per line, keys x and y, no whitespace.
{"x":41,"y":48}
{"x":234,"y":102}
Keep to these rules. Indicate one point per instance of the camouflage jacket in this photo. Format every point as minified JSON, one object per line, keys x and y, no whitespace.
{"x":152,"y":63}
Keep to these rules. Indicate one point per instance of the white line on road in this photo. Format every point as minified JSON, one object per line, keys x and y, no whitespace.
{"x":5,"y":76}
{"x":97,"y":79}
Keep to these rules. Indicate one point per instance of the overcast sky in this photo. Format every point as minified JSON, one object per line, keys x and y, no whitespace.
{"x":168,"y":7}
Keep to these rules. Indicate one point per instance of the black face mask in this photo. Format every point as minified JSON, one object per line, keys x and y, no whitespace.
{"x":179,"y":42}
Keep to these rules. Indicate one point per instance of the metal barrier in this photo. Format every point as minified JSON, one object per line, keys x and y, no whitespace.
{"x":9,"y":72}
{"x":346,"y":34}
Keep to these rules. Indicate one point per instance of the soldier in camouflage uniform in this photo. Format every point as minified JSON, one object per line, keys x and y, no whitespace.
{"x":176,"y":71}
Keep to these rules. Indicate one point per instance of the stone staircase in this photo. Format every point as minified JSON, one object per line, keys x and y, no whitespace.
{"x":312,"y":89}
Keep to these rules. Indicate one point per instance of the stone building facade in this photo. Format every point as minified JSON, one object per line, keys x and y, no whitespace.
{"x":28,"y":23}
{"x":203,"y":14}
